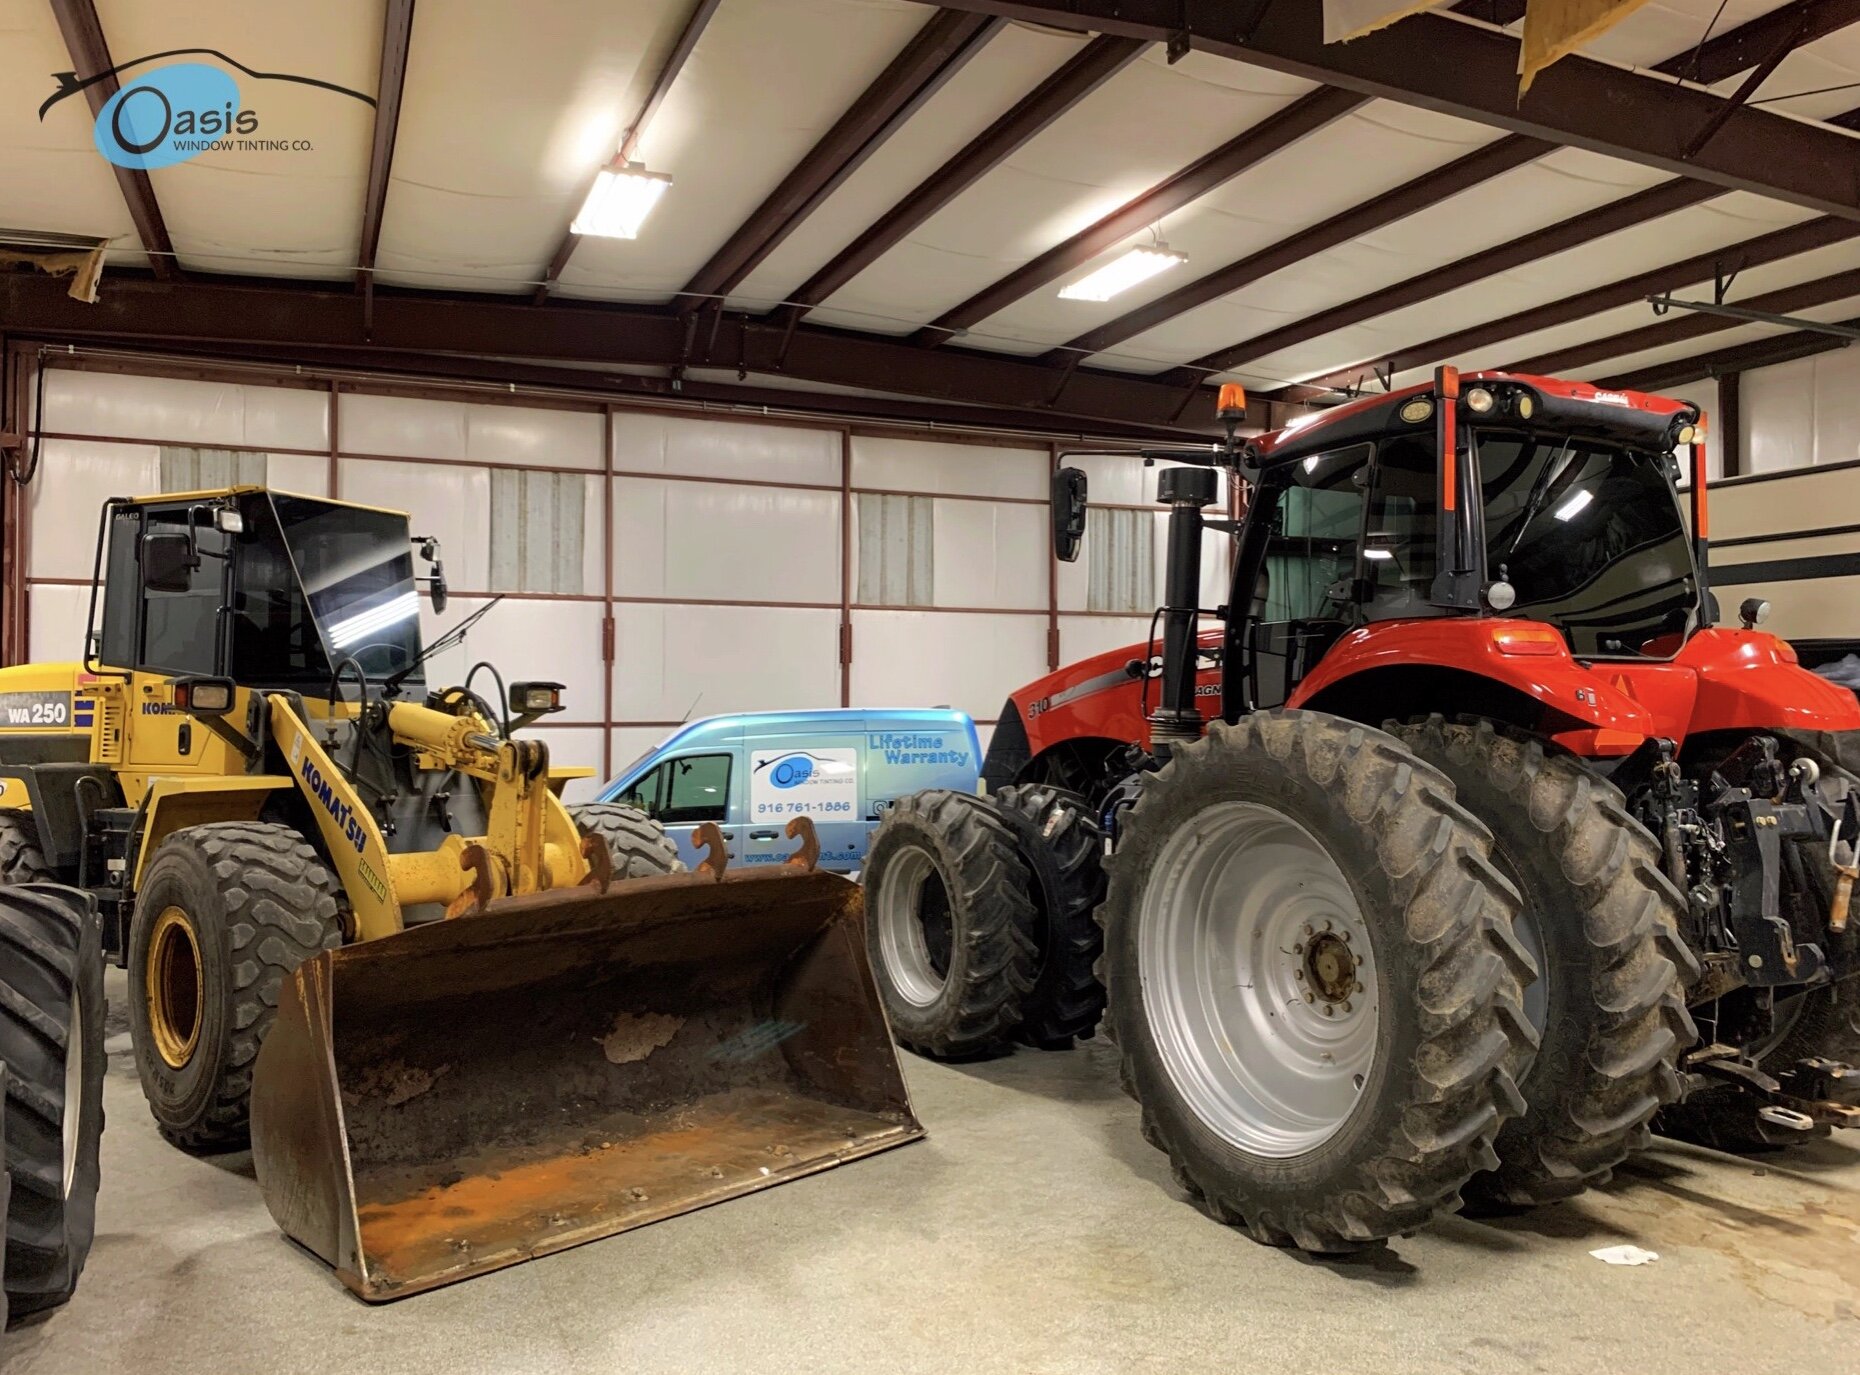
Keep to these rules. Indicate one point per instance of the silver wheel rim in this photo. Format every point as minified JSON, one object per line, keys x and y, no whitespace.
{"x":1249,"y":935}
{"x":74,"y":1087}
{"x":901,"y":939}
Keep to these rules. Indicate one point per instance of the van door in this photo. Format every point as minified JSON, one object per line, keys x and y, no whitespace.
{"x":817,"y":776}
{"x":685,"y":790}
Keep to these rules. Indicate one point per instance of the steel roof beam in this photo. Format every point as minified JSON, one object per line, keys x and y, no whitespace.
{"x":1760,"y":353}
{"x":1093,"y":65}
{"x":83,"y":35}
{"x":674,"y":63}
{"x":396,"y":33}
{"x":938,"y":51}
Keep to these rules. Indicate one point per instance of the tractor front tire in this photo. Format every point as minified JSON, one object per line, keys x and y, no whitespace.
{"x":1601,"y":920}
{"x":21,"y":859}
{"x":225,"y":914}
{"x":950,"y":925}
{"x":638,"y":844}
{"x":1314,"y":986}
{"x":1063,"y":846}
{"x":51,"y":1046}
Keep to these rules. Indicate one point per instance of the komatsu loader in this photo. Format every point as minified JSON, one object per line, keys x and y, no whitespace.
{"x":459,"y":1023}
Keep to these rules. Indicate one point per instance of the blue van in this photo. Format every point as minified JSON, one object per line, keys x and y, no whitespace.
{"x":750,"y":773}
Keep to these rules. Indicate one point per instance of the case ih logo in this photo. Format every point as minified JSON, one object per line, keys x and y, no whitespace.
{"x":175,"y":112}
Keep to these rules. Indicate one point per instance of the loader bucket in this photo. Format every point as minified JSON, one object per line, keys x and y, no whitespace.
{"x":556,"y":1068}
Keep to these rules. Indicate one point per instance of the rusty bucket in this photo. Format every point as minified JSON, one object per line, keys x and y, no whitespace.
{"x":557,"y":1068}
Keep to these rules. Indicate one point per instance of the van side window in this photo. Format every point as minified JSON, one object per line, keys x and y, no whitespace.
{"x":644,"y":794}
{"x":698,"y":789}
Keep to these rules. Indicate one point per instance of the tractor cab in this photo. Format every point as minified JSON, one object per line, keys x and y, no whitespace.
{"x":274,"y":591}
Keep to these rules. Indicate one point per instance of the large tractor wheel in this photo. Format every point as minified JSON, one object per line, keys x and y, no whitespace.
{"x":21,"y":859}
{"x":950,"y":925}
{"x":1062,"y":844}
{"x":226,"y":912}
{"x":1313,"y":982}
{"x":51,"y":1044}
{"x":638,"y":844}
{"x":1601,"y":921}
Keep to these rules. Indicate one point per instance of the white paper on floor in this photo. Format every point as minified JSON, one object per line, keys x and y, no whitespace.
{"x":1624,"y":1255}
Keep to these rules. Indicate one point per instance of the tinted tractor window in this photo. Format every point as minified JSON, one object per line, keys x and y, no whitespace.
{"x":1313,"y":551}
{"x":1591,"y":537}
{"x":181,"y":629}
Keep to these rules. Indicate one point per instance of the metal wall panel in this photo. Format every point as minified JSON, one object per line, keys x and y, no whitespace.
{"x":64,"y":500}
{"x":1080,"y":637}
{"x":938,"y":658}
{"x":186,"y":468}
{"x":895,"y":551}
{"x":305,"y":474}
{"x":725,"y":542}
{"x":1122,"y":481}
{"x":56,"y":616}
{"x":671,"y":661}
{"x":451,"y":503}
{"x":989,"y":553}
{"x":646,"y":443}
{"x":184,"y":412}
{"x":915,"y":465}
{"x":1801,"y":414}
{"x":538,"y":521}
{"x":523,"y":638}
{"x":1120,"y":560}
{"x":532,"y":435}
{"x":406,"y":427}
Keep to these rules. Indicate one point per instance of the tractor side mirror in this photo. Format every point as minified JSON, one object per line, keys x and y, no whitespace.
{"x":169,"y":561}
{"x":1068,"y":513}
{"x":436,"y":581}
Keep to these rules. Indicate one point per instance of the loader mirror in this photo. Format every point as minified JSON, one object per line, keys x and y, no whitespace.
{"x":1068,"y":513}
{"x":169,"y":561}
{"x":436,"y":581}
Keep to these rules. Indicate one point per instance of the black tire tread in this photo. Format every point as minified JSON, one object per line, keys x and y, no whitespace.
{"x":1458,"y":912}
{"x":638,"y":844}
{"x":50,"y":953}
{"x":989,"y":884}
{"x":1591,"y":1114}
{"x":1063,"y":844}
{"x":281,"y":903}
{"x":21,"y":859}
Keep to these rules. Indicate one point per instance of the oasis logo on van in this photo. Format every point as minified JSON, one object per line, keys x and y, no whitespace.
{"x":168,"y":114}
{"x":792,"y":770}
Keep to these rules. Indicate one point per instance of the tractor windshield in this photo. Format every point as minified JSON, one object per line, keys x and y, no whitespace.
{"x":341,"y":585}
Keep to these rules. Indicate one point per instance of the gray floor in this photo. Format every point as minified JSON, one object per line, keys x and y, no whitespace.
{"x":1033,"y":1232}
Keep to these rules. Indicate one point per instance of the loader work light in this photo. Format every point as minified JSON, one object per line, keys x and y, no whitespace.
{"x":530,"y":699}
{"x":204,"y":696}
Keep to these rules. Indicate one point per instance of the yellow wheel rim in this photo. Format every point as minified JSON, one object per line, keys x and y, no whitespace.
{"x":175,"y":988}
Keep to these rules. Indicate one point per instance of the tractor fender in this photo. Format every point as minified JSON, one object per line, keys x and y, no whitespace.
{"x":172,"y":804}
{"x":1579,"y":702}
{"x":1750,"y":680}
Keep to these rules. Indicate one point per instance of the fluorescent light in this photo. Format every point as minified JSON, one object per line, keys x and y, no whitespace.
{"x":1123,"y":272}
{"x":1378,"y":553}
{"x":362,"y":624}
{"x":1574,"y":505}
{"x":619,"y":202}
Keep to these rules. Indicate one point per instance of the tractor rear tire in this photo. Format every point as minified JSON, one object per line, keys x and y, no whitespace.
{"x":638,"y":844}
{"x":51,"y":1042}
{"x":1063,"y":846}
{"x":225,"y":914}
{"x":950,"y":925}
{"x":1601,"y":920}
{"x":21,"y":859}
{"x":1292,"y":857}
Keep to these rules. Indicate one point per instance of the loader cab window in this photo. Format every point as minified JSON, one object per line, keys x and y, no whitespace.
{"x":117,"y":643}
{"x":181,"y":629}
{"x":684,"y":791}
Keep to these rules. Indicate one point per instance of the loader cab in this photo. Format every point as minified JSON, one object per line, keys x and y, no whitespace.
{"x":272,"y":590}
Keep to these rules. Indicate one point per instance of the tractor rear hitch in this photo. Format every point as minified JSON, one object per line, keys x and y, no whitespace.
{"x":1811,"y":1093}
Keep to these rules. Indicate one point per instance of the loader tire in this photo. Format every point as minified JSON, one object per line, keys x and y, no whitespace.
{"x":21,"y":859}
{"x":1281,"y":866}
{"x":638,"y":844}
{"x":51,"y":1042}
{"x":1601,"y":921}
{"x":225,"y":914}
{"x":950,"y":925}
{"x":1063,"y":846}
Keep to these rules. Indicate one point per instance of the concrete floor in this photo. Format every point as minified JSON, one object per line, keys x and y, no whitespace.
{"x":1033,"y":1232}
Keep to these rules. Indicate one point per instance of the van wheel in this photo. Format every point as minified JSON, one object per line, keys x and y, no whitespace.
{"x":51,"y":1089}
{"x":1063,"y":845}
{"x":638,"y":844}
{"x":226,"y":913}
{"x":950,"y":924}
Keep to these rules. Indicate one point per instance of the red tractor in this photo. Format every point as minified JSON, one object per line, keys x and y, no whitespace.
{"x":1465,"y":844}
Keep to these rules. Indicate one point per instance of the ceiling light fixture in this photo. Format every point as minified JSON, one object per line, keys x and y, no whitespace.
{"x":1134,"y":265}
{"x":621,"y":198}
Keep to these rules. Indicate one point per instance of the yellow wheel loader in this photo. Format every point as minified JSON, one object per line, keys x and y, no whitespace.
{"x":460,"y":1023}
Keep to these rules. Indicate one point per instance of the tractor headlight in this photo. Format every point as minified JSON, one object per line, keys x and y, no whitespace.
{"x":204,"y":696}
{"x":1686,"y":434}
{"x":1480,"y":401}
{"x":1527,"y":405}
{"x":1754,"y":612}
{"x":534,"y":699}
{"x":1417,"y":410}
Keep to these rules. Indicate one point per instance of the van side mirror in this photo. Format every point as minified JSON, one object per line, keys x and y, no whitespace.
{"x":1068,"y":513}
{"x":169,"y":561}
